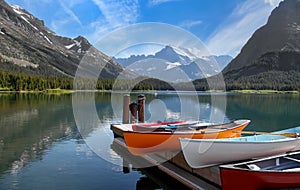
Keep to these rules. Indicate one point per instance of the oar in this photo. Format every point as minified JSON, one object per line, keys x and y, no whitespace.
{"x":294,"y":135}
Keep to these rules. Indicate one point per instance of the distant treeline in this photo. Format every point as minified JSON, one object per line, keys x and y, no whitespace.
{"x":271,"y":80}
{"x":274,"y":80}
{"x":20,"y":82}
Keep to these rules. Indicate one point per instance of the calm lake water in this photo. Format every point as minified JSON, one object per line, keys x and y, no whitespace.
{"x":42,"y":148}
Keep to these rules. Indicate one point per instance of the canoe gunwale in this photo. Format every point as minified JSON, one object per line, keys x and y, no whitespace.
{"x":238,"y":123}
{"x":227,"y":140}
{"x":235,"y":166}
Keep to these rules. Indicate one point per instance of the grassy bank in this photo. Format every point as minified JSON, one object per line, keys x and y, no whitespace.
{"x":5,"y":89}
{"x":265,"y":92}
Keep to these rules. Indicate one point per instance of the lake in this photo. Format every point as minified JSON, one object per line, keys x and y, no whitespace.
{"x":64,"y":142}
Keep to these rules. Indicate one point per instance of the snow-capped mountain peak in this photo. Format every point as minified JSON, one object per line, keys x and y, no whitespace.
{"x":173,"y":55}
{"x":174,"y":64}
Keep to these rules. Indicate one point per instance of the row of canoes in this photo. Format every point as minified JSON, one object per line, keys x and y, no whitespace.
{"x":207,"y":144}
{"x":147,"y":139}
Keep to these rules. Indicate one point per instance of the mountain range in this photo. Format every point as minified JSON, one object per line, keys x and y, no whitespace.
{"x":269,"y":60}
{"x":175,"y":64}
{"x":28,"y":46}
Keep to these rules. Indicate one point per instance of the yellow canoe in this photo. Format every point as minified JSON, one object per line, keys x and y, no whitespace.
{"x":143,"y":142}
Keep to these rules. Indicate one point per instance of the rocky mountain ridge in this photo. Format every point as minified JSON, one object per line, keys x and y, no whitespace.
{"x":273,"y":47}
{"x":175,"y":64}
{"x":28,"y":46}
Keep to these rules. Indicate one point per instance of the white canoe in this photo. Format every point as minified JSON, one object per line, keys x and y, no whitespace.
{"x":200,"y":153}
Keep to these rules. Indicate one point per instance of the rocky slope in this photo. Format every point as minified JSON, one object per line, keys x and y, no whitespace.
{"x":273,"y":48}
{"x":28,"y":46}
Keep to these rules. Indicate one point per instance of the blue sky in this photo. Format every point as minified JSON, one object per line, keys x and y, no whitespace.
{"x":223,"y":25}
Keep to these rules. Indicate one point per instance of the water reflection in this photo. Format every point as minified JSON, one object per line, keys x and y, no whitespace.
{"x":155,"y":179}
{"x":38,"y":134}
{"x":267,"y":112}
{"x":152,"y":177}
{"x":28,"y":127}
{"x":29,"y":123}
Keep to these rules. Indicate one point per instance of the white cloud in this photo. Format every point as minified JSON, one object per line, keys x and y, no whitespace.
{"x":190,"y":23}
{"x":140,"y":49}
{"x":116,"y":14}
{"x":153,"y":3}
{"x":68,"y":9}
{"x":273,"y":3}
{"x":137,"y":36}
{"x":234,"y":32}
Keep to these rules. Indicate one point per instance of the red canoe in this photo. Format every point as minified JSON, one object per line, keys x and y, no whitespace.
{"x":274,"y":172}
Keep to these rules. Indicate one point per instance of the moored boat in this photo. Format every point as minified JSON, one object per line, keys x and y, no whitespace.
{"x":144,"y":142}
{"x":281,"y":171}
{"x":200,"y":153}
{"x":163,"y":126}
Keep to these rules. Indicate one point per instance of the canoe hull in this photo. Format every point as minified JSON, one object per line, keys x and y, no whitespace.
{"x":249,"y":180}
{"x":204,"y":153}
{"x":140,"y":143}
{"x":238,"y":176}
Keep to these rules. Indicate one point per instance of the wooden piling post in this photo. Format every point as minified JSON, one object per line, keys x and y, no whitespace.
{"x":126,"y":101}
{"x":141,"y":108}
{"x":126,"y":168}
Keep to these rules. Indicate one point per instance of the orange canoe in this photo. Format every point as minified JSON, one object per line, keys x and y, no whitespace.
{"x":141,"y":142}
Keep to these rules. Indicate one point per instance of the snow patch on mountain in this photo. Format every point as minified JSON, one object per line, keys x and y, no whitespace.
{"x":77,"y":43}
{"x":70,"y":46}
{"x":172,"y":65}
{"x":46,"y":38}
{"x":17,"y":9}
{"x":191,"y":53}
{"x":29,"y":23}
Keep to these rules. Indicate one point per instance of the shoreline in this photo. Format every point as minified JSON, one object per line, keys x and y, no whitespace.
{"x":63,"y":91}
{"x":265,"y":91}
{"x":60,"y":91}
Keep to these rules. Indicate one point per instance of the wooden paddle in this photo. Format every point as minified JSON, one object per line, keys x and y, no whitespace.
{"x":293,"y":135}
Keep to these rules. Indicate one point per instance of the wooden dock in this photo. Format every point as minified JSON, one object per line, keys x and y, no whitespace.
{"x":176,"y":166}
